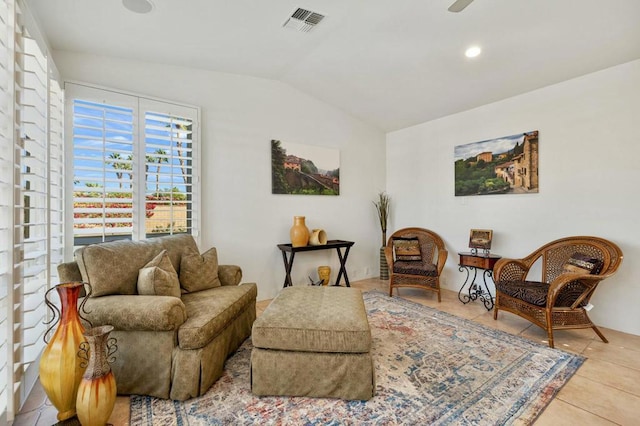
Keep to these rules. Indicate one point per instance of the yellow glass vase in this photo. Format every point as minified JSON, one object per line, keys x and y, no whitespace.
{"x":97,"y":391}
{"x":60,"y":367}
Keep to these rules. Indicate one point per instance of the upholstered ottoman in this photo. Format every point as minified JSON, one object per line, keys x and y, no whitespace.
{"x":313,"y":341}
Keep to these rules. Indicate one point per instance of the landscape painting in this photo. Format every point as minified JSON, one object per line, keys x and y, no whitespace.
{"x":506,"y":165}
{"x":304,"y":169}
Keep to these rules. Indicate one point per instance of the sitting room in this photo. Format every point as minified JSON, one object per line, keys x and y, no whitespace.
{"x":320,"y":212}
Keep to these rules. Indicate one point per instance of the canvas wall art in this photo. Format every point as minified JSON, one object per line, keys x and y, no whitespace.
{"x":304,"y":169}
{"x":506,"y":165}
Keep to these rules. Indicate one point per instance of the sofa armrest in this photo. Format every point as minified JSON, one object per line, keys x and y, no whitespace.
{"x":136,"y":312}
{"x":68,"y":272}
{"x":229,"y":274}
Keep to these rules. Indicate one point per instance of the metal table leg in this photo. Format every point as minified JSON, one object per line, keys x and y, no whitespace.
{"x":288,"y":265}
{"x":343,"y":269}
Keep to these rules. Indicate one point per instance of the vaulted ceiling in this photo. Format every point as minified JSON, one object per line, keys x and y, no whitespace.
{"x":393,"y":63}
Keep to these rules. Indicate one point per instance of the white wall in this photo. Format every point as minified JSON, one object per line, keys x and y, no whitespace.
{"x":240,"y":116}
{"x":589,"y":176}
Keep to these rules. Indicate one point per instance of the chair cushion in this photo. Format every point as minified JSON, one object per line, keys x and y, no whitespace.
{"x":535,"y":293}
{"x":199,"y":272}
{"x":210,"y":311}
{"x":158,"y":277}
{"x":581,"y":263}
{"x":413,"y":267}
{"x":407,"y":249}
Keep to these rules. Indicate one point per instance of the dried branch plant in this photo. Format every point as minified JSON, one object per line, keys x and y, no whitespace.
{"x":382,"y":207}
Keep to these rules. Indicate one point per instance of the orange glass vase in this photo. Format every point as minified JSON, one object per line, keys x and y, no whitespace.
{"x":97,"y":391}
{"x":299,"y":232}
{"x":60,"y":367}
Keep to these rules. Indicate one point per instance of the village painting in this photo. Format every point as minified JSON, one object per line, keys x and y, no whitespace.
{"x":506,"y":165}
{"x":304,"y":169}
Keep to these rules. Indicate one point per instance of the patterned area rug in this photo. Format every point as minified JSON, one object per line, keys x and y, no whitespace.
{"x":431,"y":368}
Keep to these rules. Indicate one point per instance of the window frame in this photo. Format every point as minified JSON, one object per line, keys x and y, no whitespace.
{"x":31,"y":185}
{"x":140,"y":105}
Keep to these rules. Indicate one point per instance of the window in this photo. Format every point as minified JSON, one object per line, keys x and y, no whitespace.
{"x":6,"y":208}
{"x":30,"y":201}
{"x":169,"y":171}
{"x":134,"y":166}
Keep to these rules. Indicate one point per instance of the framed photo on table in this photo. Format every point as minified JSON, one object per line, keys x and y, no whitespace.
{"x":480,"y":239}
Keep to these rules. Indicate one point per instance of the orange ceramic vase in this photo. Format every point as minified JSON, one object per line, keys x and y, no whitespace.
{"x":97,"y":391}
{"x":299,"y":232}
{"x":60,"y":367}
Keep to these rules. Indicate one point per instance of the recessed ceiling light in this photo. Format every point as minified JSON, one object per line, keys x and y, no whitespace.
{"x":138,"y":6}
{"x":472,"y":52}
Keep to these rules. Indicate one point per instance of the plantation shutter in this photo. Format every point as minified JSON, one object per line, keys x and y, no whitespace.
{"x":31,"y":194}
{"x":134,"y":166}
{"x":56,"y":178}
{"x":31,"y":202}
{"x":6,"y":210}
{"x":169,"y":167}
{"x":36,"y":189}
{"x":103,"y":156}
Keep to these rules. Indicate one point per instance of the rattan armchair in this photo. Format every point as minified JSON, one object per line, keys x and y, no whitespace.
{"x":561,"y":300}
{"x":423,"y":273}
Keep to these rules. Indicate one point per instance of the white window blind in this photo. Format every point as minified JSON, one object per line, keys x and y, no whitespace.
{"x":30,"y":192}
{"x":103,"y":175}
{"x":32,"y":202}
{"x":168,"y":141}
{"x":33,"y":233}
{"x":134,"y":166}
{"x":6,"y":209}
{"x":56,"y":178}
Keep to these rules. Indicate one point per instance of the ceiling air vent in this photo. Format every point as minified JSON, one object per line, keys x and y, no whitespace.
{"x":303,"y":20}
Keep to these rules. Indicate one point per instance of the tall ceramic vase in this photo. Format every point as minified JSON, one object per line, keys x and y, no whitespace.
{"x":97,"y":391}
{"x":299,"y":232}
{"x":60,"y":367}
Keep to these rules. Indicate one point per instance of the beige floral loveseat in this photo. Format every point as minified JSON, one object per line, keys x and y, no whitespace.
{"x":177,"y":314}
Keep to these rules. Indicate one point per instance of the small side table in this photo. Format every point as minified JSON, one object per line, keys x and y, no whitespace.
{"x":470,"y":262}
{"x":331,"y":244}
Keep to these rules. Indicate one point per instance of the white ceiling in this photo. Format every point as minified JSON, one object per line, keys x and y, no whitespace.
{"x":393,"y":63}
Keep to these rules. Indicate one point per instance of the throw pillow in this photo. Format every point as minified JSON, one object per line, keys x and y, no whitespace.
{"x":580,"y":263}
{"x":407,"y":249}
{"x":199,"y":272}
{"x":158,"y":277}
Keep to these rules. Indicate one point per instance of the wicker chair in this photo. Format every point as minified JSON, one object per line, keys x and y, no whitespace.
{"x":419,"y":273}
{"x":560,"y":301}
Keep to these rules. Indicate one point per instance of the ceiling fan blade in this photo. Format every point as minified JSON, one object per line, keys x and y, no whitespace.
{"x":459,"y":5}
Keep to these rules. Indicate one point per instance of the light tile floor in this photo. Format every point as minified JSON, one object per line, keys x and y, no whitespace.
{"x":604,"y":391}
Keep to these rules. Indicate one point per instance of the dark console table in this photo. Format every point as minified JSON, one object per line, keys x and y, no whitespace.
{"x":472,"y":262}
{"x":331,"y":244}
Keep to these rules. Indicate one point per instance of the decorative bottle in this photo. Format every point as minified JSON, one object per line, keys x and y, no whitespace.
{"x":97,"y":390}
{"x":299,"y":232}
{"x":60,"y":367}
